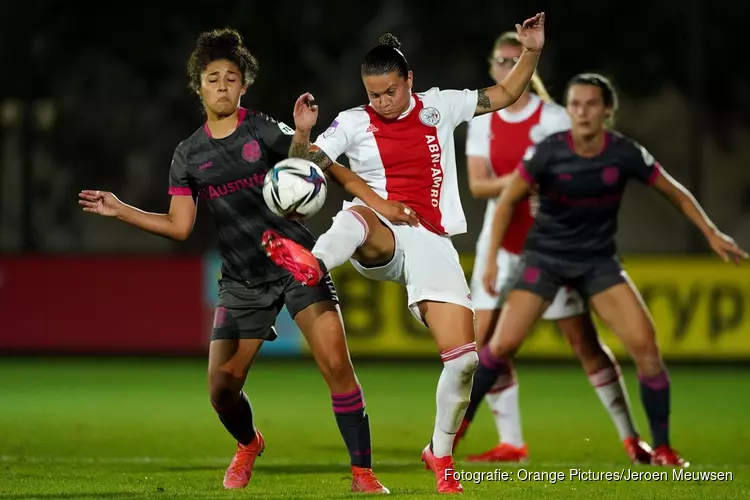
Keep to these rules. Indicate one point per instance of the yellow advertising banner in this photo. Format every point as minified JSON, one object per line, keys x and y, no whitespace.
{"x":701,"y":308}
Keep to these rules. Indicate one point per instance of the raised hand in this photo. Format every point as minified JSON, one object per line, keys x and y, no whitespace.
{"x":531,"y":32}
{"x":99,"y":202}
{"x":305,"y":113}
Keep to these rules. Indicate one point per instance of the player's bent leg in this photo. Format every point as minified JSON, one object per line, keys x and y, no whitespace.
{"x":622,"y":309}
{"x":452,"y":327}
{"x":604,"y":374}
{"x":322,"y":326}
{"x":228,"y":363}
{"x":355,"y":233}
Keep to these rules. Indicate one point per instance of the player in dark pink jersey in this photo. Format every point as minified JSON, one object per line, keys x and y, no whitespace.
{"x":401,"y":144}
{"x":495,"y":144}
{"x":581,"y":176}
{"x":223,"y":163}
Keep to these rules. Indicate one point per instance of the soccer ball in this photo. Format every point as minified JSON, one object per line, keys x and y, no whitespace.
{"x":295,"y":188}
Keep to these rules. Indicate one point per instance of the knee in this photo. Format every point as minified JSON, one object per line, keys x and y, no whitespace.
{"x":464,"y":366}
{"x":504,"y":346}
{"x":645,"y":352}
{"x":224,"y":388}
{"x":337,"y":367}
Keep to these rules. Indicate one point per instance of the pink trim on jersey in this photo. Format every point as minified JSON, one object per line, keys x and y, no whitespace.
{"x":655,"y":173}
{"x":240,"y":118}
{"x":571,"y":144}
{"x":525,"y":174}
{"x":179,"y":191}
{"x":411,"y":154}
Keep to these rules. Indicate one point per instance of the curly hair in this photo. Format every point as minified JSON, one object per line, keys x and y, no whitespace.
{"x":221,"y":44}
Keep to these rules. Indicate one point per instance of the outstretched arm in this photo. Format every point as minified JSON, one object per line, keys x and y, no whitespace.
{"x":176,"y":225}
{"x":505,"y":93}
{"x":683,"y":199}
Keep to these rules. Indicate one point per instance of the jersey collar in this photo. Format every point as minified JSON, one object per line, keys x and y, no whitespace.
{"x":240,"y":118}
{"x":525,"y":113}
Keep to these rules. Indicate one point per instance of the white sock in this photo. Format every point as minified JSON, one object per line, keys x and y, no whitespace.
{"x":610,"y":387}
{"x":503,"y":401}
{"x":347,"y":233}
{"x":453,"y":395}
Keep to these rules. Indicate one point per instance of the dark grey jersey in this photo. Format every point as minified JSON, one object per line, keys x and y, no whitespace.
{"x":227,"y":176}
{"x":580,"y":197}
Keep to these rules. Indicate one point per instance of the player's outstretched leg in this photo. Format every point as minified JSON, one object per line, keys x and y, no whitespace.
{"x":228,"y":364}
{"x":604,"y":374}
{"x":334,"y":247}
{"x":320,"y":323}
{"x":452,"y":326}
{"x":622,"y":309}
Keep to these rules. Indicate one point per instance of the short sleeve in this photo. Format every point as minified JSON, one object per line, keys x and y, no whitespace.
{"x":478,"y":137}
{"x":535,"y":162}
{"x":336,"y":139}
{"x":642,"y":166}
{"x":276,"y":136}
{"x":460,"y":104}
{"x":554,"y":119}
{"x":178,"y":178}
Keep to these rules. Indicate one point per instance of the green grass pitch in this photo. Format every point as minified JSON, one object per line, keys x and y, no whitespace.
{"x":109,"y":428}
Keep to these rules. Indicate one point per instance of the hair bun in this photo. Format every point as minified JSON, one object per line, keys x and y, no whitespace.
{"x":389,"y":40}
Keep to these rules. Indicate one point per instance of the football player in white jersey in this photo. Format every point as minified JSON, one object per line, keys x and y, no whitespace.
{"x":495,"y":145}
{"x":401,"y":145}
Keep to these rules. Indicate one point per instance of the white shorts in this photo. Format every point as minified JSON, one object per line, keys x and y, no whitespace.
{"x":567,"y":303}
{"x":425,"y":263}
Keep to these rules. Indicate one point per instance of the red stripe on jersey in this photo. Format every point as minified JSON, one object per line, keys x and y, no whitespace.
{"x":411,"y":156}
{"x":509,"y":143}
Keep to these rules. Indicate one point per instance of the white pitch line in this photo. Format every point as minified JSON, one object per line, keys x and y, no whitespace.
{"x":219,"y":461}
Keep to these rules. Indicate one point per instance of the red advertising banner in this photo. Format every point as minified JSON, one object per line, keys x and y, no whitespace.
{"x":97,"y":304}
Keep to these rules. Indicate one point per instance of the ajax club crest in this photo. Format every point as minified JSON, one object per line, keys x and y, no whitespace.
{"x":429,"y":116}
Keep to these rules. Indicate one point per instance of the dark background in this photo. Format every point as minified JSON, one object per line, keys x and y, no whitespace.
{"x":95,"y":96}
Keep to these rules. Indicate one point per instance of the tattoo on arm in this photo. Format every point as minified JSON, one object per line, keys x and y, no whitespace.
{"x":301,"y":150}
{"x":483,"y":100}
{"x":320,"y":159}
{"x":298,"y":150}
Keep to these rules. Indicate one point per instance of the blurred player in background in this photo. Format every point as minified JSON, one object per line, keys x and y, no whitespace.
{"x":495,"y":145}
{"x":224,"y":163}
{"x":402,"y":145}
{"x":582,"y":175}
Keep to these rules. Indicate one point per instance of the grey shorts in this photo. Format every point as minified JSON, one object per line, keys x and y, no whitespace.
{"x":249,"y":312}
{"x":543,"y":275}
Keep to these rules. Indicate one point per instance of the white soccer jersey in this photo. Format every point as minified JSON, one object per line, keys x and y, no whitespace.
{"x":411,"y":159}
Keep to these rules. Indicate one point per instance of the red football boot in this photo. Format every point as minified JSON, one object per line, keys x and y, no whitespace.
{"x":443,"y":468}
{"x":638,"y":450}
{"x":665,"y":455}
{"x":293,"y":257}
{"x":241,"y":469}
{"x":364,"y":481}
{"x":504,"y":452}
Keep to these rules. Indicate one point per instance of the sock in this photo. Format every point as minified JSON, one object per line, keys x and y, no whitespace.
{"x":489,"y":369}
{"x":655,"y":398}
{"x":453,"y":393}
{"x":503,"y":401}
{"x":354,"y":425}
{"x":347,"y":233}
{"x":610,"y":387}
{"x":238,"y":419}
